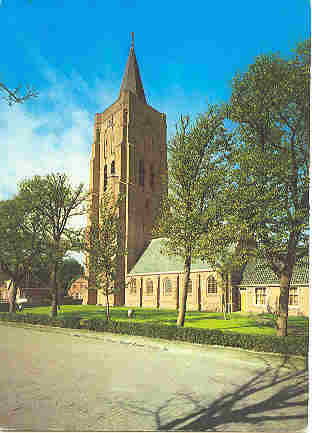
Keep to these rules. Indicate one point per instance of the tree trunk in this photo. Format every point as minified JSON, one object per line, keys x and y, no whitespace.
{"x":182,"y":304}
{"x":223,"y":300}
{"x":12,"y":296}
{"x":54,"y":293}
{"x":283,"y":305}
{"x":228,"y":298}
{"x":107,"y":306}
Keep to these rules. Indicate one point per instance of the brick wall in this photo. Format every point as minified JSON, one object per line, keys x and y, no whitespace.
{"x":272,"y":294}
{"x":164,"y":291}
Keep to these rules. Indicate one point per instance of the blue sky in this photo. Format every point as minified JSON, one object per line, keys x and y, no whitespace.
{"x":74,"y":53}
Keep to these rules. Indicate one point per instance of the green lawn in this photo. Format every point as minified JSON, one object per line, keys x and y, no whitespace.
{"x":242,"y":323}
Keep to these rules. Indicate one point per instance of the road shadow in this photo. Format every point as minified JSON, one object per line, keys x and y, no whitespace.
{"x":274,"y":399}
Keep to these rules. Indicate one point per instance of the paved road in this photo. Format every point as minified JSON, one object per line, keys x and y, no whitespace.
{"x":66,"y":380}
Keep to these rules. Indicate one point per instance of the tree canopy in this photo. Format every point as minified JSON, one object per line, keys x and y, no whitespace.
{"x":22,"y":241}
{"x":104,"y":245}
{"x":70,"y":269}
{"x":56,"y":201}
{"x":270,"y":162}
{"x":195,"y":203}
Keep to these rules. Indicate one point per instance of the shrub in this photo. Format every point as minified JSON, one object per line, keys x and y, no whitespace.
{"x":42,"y":319}
{"x":260,"y":343}
{"x":4,"y":306}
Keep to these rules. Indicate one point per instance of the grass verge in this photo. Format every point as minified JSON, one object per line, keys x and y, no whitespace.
{"x":238,"y":322}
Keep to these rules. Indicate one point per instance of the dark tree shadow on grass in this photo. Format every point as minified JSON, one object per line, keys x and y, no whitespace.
{"x":272,"y":400}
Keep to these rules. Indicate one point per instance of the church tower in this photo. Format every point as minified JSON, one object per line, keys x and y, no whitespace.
{"x":129,"y":156}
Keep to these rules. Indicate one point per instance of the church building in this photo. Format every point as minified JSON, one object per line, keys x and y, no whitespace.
{"x":129,"y":156}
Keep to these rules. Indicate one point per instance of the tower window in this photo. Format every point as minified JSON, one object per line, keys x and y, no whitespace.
{"x":141,"y":172}
{"x":113,"y":167}
{"x":105,"y":177}
{"x":104,"y":146}
{"x":152,"y":177}
{"x":97,"y":135}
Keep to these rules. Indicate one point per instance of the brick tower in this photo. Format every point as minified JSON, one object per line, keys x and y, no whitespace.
{"x":129,"y":155}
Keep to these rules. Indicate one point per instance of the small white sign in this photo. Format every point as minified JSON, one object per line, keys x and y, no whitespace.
{"x":21,"y":300}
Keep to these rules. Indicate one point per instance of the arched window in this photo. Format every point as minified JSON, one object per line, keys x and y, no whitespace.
{"x":149,"y":287}
{"x":190,"y":287}
{"x":141,"y":172}
{"x":105,"y":177}
{"x":133,"y":286}
{"x":113,"y":167}
{"x":211,"y":285}
{"x":167,"y":287}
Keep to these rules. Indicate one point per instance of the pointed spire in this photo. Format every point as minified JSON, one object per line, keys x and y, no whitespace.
{"x":132,"y":79}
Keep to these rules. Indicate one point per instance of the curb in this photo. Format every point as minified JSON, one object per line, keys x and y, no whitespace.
{"x":243,"y":355}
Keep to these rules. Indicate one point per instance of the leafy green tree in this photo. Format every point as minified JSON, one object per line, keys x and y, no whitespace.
{"x":41,"y":273}
{"x":104,"y":245}
{"x":226,"y":248}
{"x":56,"y":202}
{"x":69,"y":271}
{"x":21,"y":241}
{"x":270,"y":189}
{"x":225,"y":262}
{"x":195,"y":204}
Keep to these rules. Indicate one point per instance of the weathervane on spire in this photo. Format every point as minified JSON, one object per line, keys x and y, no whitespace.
{"x":132,"y":39}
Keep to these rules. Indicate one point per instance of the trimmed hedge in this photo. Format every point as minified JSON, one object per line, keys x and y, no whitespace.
{"x":4,"y":306}
{"x":292,"y":345}
{"x":295,"y":345}
{"x":42,"y":319}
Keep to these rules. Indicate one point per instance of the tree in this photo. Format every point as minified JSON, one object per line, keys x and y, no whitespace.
{"x":270,"y":189}
{"x":195,"y":204}
{"x":103,"y":243}
{"x":227,"y":248}
{"x":21,"y":240}
{"x":12,"y":96}
{"x":56,"y":201}
{"x":69,"y":271}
